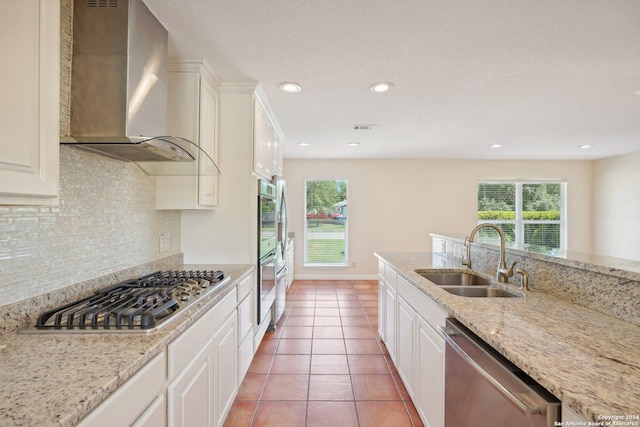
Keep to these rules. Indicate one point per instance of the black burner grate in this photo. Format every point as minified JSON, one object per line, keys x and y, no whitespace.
{"x":135,"y":304}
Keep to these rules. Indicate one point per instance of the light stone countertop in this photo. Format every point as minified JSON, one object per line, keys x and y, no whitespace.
{"x":56,"y":379}
{"x":589,"y":360}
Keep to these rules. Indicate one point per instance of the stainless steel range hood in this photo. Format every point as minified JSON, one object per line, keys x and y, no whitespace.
{"x":119,"y":89}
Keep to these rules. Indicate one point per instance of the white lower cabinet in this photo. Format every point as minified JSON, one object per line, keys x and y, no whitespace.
{"x":195,"y":381}
{"x":225,"y":372}
{"x":429,"y":400}
{"x":246,"y":324}
{"x":382,"y":303}
{"x":203,"y":368}
{"x":406,"y":343}
{"x":155,"y":415}
{"x":409,"y":332}
{"x":190,"y":394}
{"x":387,"y":307}
{"x":135,"y":402}
{"x":390,"y":322}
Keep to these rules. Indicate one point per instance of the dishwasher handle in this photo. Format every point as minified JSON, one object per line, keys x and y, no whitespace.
{"x":525,"y":407}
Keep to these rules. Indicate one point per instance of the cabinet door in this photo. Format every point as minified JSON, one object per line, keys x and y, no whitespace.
{"x":226,"y":369}
{"x":207,"y":181}
{"x":290,"y":261}
{"x":382,"y":304}
{"x":155,"y":415}
{"x":29,"y":105}
{"x":261,"y":142}
{"x":405,"y":343}
{"x":276,"y":154}
{"x":192,"y":114}
{"x":190,"y":394}
{"x":390,"y":322}
{"x":429,"y":400}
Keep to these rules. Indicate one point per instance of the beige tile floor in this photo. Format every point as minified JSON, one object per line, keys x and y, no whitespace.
{"x":324,"y":365}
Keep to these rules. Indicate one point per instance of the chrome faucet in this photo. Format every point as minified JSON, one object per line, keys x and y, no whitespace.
{"x":503,"y":273}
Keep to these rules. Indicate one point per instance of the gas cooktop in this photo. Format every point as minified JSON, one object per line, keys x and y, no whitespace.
{"x":141,"y":305}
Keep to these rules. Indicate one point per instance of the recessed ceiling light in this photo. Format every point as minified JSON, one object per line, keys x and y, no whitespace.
{"x":636,"y":92}
{"x":353,"y":144}
{"x":303,"y":144}
{"x":585,"y":146}
{"x":381,"y":87}
{"x":495,"y":146}
{"x":290,"y":87}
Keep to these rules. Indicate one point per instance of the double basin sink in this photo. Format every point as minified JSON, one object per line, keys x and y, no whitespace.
{"x":465,"y":284}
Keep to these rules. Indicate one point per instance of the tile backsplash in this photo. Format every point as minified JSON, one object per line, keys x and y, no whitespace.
{"x":106,"y":221}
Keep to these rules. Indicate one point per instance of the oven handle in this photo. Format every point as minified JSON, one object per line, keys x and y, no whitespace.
{"x":283,"y":272}
{"x":524,"y":407}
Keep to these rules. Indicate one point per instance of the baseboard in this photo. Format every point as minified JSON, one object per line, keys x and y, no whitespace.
{"x":336,"y":277}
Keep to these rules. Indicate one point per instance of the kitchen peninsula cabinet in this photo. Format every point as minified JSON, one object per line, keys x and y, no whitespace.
{"x":409,"y":331}
{"x":29,"y":105}
{"x":192,"y":114}
{"x":387,"y":307}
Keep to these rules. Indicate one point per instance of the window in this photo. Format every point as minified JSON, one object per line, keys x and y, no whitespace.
{"x":529,"y":212}
{"x":325,"y":230}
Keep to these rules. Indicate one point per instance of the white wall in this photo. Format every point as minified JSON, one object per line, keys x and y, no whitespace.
{"x":395,"y":204}
{"x":616,"y":206}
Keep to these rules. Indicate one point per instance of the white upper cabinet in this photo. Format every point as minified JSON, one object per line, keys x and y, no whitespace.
{"x":267,"y":144}
{"x":193,"y":114}
{"x":29,"y":105}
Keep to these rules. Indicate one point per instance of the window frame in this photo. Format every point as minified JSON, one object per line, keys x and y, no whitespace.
{"x":345,"y":262}
{"x":519,"y":222}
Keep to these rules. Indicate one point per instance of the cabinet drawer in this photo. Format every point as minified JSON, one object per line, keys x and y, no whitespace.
{"x":425,"y":306}
{"x":245,"y":317}
{"x":390,"y":276}
{"x":183,"y":348}
{"x":131,"y":400}
{"x":245,"y":286}
{"x":245,"y":356}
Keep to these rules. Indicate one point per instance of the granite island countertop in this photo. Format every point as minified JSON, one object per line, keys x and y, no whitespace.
{"x":55,"y":379}
{"x":589,"y":360}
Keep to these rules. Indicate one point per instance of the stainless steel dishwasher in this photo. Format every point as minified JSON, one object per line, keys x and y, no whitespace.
{"x":484,"y":388}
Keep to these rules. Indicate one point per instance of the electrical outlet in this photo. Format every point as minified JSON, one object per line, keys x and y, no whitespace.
{"x":457,"y":250}
{"x":165,"y":242}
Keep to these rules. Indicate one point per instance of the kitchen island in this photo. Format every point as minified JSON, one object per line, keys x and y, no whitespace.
{"x":587,"y":359}
{"x":57,"y":379}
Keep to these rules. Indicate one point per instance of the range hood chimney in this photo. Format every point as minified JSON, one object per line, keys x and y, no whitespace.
{"x":119,"y":89}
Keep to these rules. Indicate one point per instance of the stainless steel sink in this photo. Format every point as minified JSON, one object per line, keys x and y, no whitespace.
{"x":479,"y":292}
{"x":442,"y":278}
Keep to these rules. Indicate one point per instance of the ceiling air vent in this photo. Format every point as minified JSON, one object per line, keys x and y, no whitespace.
{"x":364,"y":127}
{"x":102,"y":3}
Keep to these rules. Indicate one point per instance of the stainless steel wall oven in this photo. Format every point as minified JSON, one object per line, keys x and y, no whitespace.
{"x":267,"y":240}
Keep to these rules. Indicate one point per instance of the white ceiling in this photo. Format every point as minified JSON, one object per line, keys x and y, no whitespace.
{"x":540,"y":77}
